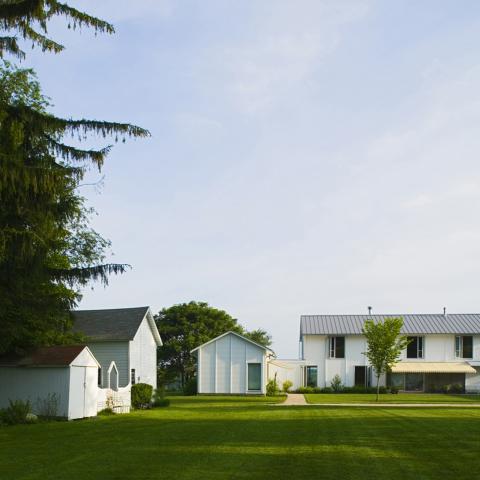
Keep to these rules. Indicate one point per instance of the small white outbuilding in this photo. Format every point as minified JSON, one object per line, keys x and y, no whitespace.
{"x":65,"y":377}
{"x":231,"y":364}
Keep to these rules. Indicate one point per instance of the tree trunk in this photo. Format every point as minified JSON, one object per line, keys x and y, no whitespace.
{"x":378,"y":387}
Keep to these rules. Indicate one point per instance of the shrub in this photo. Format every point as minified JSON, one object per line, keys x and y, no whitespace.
{"x":17,"y":412}
{"x":394,"y":390}
{"x":305,"y":390}
{"x":159,"y":399}
{"x":141,"y":395}
{"x":48,"y":407}
{"x":106,"y":412}
{"x":31,"y":418}
{"x":455,"y":388}
{"x":287,"y":385}
{"x":190,"y":387}
{"x":336,"y":384}
{"x":272,"y":388}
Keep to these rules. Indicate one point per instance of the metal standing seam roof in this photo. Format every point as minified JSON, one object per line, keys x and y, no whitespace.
{"x":452,"y":323}
{"x":112,"y":324}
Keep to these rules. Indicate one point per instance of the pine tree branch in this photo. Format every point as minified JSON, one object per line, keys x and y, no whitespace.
{"x":95,"y":273}
{"x":46,"y":43}
{"x":10,"y":45}
{"x":79,"y":18}
{"x":75,"y":154}
{"x":14,"y":10}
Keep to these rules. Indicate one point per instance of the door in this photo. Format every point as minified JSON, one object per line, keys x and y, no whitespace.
{"x":76,"y":400}
{"x":254,"y":377}
{"x":360,"y":376}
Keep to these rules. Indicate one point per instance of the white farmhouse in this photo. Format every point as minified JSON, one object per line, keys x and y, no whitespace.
{"x":231,"y":364}
{"x":443,"y":350}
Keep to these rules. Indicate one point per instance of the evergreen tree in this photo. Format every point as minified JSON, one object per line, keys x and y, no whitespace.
{"x":47,"y":249}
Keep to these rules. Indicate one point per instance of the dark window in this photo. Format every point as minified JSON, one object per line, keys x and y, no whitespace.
{"x":464,"y":346}
{"x":254,"y":376}
{"x":337,"y":347}
{"x":132,"y":376}
{"x":414,"y":382}
{"x":415,"y":347}
{"x":360,"y":376}
{"x":99,"y":377}
{"x":312,"y":373}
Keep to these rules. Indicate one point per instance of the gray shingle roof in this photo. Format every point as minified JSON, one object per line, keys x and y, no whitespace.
{"x":104,"y":325}
{"x":456,"y":323}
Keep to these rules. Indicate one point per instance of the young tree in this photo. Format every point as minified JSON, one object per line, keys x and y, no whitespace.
{"x":260,"y":336}
{"x":384,"y":345}
{"x":184,"y":327}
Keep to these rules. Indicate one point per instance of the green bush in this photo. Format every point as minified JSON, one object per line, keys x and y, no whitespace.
{"x":106,"y":412}
{"x":336,"y":384}
{"x":190,"y":387}
{"x":159,"y":399}
{"x":17,"y":412}
{"x":272,"y":388}
{"x":141,"y":395}
{"x":305,"y":390}
{"x":394,"y":390}
{"x":287,"y":385}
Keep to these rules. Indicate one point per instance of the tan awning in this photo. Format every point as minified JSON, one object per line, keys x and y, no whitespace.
{"x":433,"y":367}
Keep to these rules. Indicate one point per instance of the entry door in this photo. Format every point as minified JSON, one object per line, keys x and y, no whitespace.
{"x":360,"y":376}
{"x":254,"y":377}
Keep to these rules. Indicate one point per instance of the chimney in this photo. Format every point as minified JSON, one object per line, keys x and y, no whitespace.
{"x":444,"y":311}
{"x":369,"y":310}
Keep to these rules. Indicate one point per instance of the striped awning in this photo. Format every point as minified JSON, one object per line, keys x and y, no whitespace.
{"x":433,"y":367}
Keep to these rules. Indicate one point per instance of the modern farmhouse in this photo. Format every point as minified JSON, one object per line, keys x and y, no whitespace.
{"x":443,"y":350}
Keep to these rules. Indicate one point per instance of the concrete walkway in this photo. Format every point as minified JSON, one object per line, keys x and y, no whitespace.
{"x":298,"y":399}
{"x":294,"y":399}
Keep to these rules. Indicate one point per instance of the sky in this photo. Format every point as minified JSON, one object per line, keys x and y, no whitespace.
{"x":306,"y":157}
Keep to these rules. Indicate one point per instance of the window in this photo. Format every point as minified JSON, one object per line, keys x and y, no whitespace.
{"x":464,"y":346}
{"x":312,"y":374}
{"x":99,"y":380}
{"x":337,"y":347}
{"x":132,"y":376}
{"x":415,"y":347}
{"x":254,"y":376}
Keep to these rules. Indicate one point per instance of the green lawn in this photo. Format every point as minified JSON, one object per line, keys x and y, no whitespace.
{"x":389,"y":398}
{"x":230,"y":438}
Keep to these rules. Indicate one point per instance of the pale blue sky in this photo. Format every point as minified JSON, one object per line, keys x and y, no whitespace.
{"x":306,"y":156}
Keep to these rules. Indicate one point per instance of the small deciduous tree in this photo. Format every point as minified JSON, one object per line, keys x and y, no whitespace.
{"x":384,"y":345}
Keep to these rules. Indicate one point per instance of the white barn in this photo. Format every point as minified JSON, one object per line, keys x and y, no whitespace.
{"x":65,"y":374}
{"x":231,"y":364}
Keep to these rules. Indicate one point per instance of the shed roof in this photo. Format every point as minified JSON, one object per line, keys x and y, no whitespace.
{"x":112,"y":324}
{"x":452,"y":323}
{"x":237,"y":335}
{"x":56,"y":356}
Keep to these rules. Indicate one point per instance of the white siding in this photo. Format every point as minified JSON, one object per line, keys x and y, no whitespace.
{"x":292,"y":370}
{"x":33,"y":384}
{"x":105,"y":353}
{"x":143,"y":355}
{"x":472,"y":381}
{"x":222,"y":365}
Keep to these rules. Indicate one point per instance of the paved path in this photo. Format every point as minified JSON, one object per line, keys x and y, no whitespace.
{"x":294,"y":399}
{"x":299,"y":399}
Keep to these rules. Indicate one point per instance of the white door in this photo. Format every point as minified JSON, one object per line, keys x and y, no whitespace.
{"x":76,"y":401}
{"x":91,"y":391}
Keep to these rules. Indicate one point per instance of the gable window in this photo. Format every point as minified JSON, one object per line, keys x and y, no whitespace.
{"x":99,"y":380}
{"x":464,"y":346}
{"x":132,"y":376}
{"x":415,"y":347}
{"x":337,"y":347}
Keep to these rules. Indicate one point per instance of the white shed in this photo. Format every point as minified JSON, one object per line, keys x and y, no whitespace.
{"x":64,"y":375}
{"x":231,"y":364}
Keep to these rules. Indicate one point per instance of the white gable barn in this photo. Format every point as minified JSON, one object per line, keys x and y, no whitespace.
{"x":231,"y":364}
{"x":64,"y":375}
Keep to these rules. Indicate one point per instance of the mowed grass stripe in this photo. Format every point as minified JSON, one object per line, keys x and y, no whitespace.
{"x":243,"y":438}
